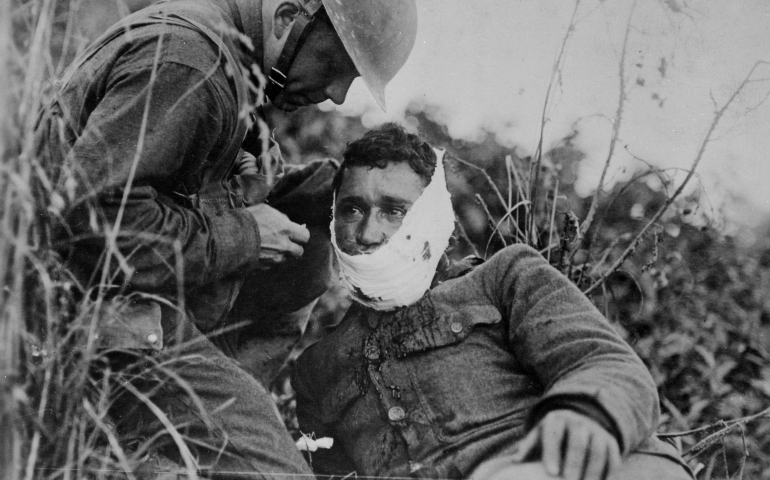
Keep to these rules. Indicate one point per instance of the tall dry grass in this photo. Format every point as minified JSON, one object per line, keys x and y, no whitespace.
{"x":50,"y":427}
{"x":56,"y":388}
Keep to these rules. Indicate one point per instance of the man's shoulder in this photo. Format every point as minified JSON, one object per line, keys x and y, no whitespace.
{"x":186,"y":32}
{"x":154,"y":45}
{"x":451,"y":269}
{"x":517,"y":260}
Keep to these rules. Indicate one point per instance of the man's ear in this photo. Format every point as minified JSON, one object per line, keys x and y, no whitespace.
{"x":284,"y":17}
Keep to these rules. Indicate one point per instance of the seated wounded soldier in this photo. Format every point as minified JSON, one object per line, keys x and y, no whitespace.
{"x":471,"y":369}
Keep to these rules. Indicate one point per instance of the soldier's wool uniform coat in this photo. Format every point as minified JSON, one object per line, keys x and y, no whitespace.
{"x":146,"y":130}
{"x":434,"y":389}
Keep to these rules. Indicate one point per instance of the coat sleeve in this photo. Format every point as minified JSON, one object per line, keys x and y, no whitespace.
{"x":151,"y":125}
{"x":562,"y":339}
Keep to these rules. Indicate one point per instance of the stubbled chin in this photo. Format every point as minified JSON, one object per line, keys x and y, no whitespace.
{"x":286,"y":107}
{"x":290,"y":101}
{"x":355,"y":251}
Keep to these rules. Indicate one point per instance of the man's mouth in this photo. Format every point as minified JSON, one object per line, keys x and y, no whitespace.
{"x":360,"y":250}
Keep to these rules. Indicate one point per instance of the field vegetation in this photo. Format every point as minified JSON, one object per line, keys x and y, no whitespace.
{"x":689,"y":298}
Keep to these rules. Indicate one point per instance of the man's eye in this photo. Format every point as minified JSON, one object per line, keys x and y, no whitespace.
{"x":395,"y":212}
{"x":350,"y":213}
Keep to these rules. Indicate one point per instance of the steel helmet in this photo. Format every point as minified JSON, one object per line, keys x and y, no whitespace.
{"x":378,"y":35}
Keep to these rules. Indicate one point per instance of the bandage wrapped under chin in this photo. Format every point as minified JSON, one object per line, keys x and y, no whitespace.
{"x":400,"y":272}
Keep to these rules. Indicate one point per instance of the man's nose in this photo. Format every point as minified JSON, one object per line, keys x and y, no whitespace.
{"x":371,"y":232}
{"x":338,"y":89}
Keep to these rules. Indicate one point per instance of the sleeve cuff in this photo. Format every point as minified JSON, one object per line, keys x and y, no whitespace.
{"x":580,"y":404}
{"x":236,"y":240}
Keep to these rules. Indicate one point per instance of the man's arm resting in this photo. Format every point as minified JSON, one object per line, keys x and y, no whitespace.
{"x":559,"y":336}
{"x":571,"y":445}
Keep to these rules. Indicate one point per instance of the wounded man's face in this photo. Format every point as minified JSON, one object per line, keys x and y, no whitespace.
{"x":371,"y":204}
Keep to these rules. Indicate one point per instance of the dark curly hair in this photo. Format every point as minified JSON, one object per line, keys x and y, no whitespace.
{"x":389,"y":143}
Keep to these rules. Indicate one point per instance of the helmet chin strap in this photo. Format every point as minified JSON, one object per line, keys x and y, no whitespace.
{"x":303,"y":25}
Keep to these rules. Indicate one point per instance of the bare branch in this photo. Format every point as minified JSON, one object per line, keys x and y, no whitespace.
{"x":490,"y":218}
{"x":615,"y":129}
{"x":745,"y":453}
{"x":711,"y":439}
{"x":552,"y":221}
{"x":717,"y":117}
{"x":486,"y":176}
{"x":464,"y":236}
{"x":190,"y":467}
{"x":535,"y":167}
{"x":111,"y":438}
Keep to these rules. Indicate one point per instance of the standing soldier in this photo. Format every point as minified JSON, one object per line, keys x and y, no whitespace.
{"x":164,"y":215}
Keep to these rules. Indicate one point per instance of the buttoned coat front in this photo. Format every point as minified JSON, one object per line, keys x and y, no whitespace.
{"x":458,"y":377}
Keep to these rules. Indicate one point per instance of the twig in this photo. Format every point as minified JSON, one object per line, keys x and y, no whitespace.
{"x":724,"y":459}
{"x":187,"y":456}
{"x":615,"y":132}
{"x":508,"y":216}
{"x":553,"y":218}
{"x":687,"y":432}
{"x":464,"y":236}
{"x":486,"y":176}
{"x":511,"y":168}
{"x":111,"y":438}
{"x":535,"y":167}
{"x":491,"y":222}
{"x":729,"y":426}
{"x":745,"y":454}
{"x":717,"y":117}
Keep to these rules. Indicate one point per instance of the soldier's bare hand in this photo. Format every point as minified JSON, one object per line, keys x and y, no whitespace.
{"x":280,"y":238}
{"x":573,"y":446}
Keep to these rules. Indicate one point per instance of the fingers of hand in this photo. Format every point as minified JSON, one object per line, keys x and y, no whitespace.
{"x":554,"y":430}
{"x":595,"y":461}
{"x":279,"y":236}
{"x":601,"y":457}
{"x":299,"y":233}
{"x":613,"y":456}
{"x":577,"y":447}
{"x":527,"y":446}
{"x":578,"y":453}
{"x":275,"y":254}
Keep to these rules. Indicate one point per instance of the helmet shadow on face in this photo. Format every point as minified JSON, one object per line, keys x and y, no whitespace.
{"x":321,"y":70}
{"x":379,"y":36}
{"x":371,"y":39}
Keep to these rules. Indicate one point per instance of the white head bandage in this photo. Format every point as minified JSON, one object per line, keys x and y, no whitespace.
{"x":399,"y":272}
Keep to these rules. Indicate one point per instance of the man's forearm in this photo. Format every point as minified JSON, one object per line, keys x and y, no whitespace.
{"x":574,"y":352}
{"x":163,"y":244}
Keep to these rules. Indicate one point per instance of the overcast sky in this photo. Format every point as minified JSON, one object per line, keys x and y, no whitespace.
{"x":486,"y":64}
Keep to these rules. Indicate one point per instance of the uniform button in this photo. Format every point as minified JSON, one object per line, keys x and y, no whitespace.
{"x":396,"y":414}
{"x":152,"y":338}
{"x":371,"y":350}
{"x":457,"y":327}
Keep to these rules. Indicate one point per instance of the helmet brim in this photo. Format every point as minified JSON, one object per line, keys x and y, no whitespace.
{"x":378,"y":35}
